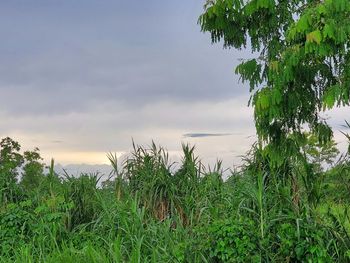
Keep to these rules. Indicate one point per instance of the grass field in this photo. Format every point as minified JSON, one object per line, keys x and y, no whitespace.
{"x":147,"y":212}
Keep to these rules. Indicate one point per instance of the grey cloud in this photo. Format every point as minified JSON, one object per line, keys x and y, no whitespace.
{"x":54,"y":65}
{"x":203,"y":135}
{"x":71,"y":84}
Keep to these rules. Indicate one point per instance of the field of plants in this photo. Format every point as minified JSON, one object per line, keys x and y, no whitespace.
{"x":150,"y":212}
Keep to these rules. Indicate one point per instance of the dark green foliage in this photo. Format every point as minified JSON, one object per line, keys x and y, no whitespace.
{"x":33,"y":170}
{"x":15,"y":226}
{"x":10,"y":161}
{"x":302,"y":242}
{"x":232,"y":240}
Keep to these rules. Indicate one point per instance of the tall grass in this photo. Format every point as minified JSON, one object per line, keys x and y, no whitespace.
{"x":148,"y":211}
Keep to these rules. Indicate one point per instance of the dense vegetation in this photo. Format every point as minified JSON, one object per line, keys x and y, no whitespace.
{"x":151,"y":211}
{"x":287,"y":203}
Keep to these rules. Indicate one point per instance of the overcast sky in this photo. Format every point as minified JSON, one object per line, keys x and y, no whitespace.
{"x":79,"y":78}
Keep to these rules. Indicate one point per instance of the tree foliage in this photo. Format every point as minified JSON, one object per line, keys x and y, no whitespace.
{"x":33,"y":169}
{"x":320,"y":154}
{"x":10,"y":161}
{"x":303,"y":62}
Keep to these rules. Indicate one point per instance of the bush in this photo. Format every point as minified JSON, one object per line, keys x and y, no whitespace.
{"x":303,"y":240}
{"x":232,"y":240}
{"x":16,"y":227}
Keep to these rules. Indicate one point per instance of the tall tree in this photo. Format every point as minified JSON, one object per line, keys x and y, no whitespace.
{"x":302,"y":66}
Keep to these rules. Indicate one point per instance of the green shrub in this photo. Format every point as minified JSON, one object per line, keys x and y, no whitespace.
{"x":232,"y":240}
{"x":16,"y":227}
{"x":52,"y":220}
{"x":300,"y":241}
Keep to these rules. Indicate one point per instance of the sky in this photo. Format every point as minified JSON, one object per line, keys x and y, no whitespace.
{"x":80,"y":78}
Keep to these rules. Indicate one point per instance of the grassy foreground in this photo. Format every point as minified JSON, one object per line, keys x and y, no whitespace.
{"x":150,"y":212}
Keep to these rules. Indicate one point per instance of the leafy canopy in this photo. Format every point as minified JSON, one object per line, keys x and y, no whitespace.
{"x":303,"y":65}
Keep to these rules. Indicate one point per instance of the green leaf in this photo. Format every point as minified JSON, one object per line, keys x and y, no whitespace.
{"x":302,"y":24}
{"x":264,"y":4}
{"x":329,"y":31}
{"x":314,"y":37}
{"x":321,"y":10}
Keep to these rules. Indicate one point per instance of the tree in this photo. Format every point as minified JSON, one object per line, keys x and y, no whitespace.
{"x":10,"y":161}
{"x":33,"y":169}
{"x":303,"y":63}
{"x":320,"y":154}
